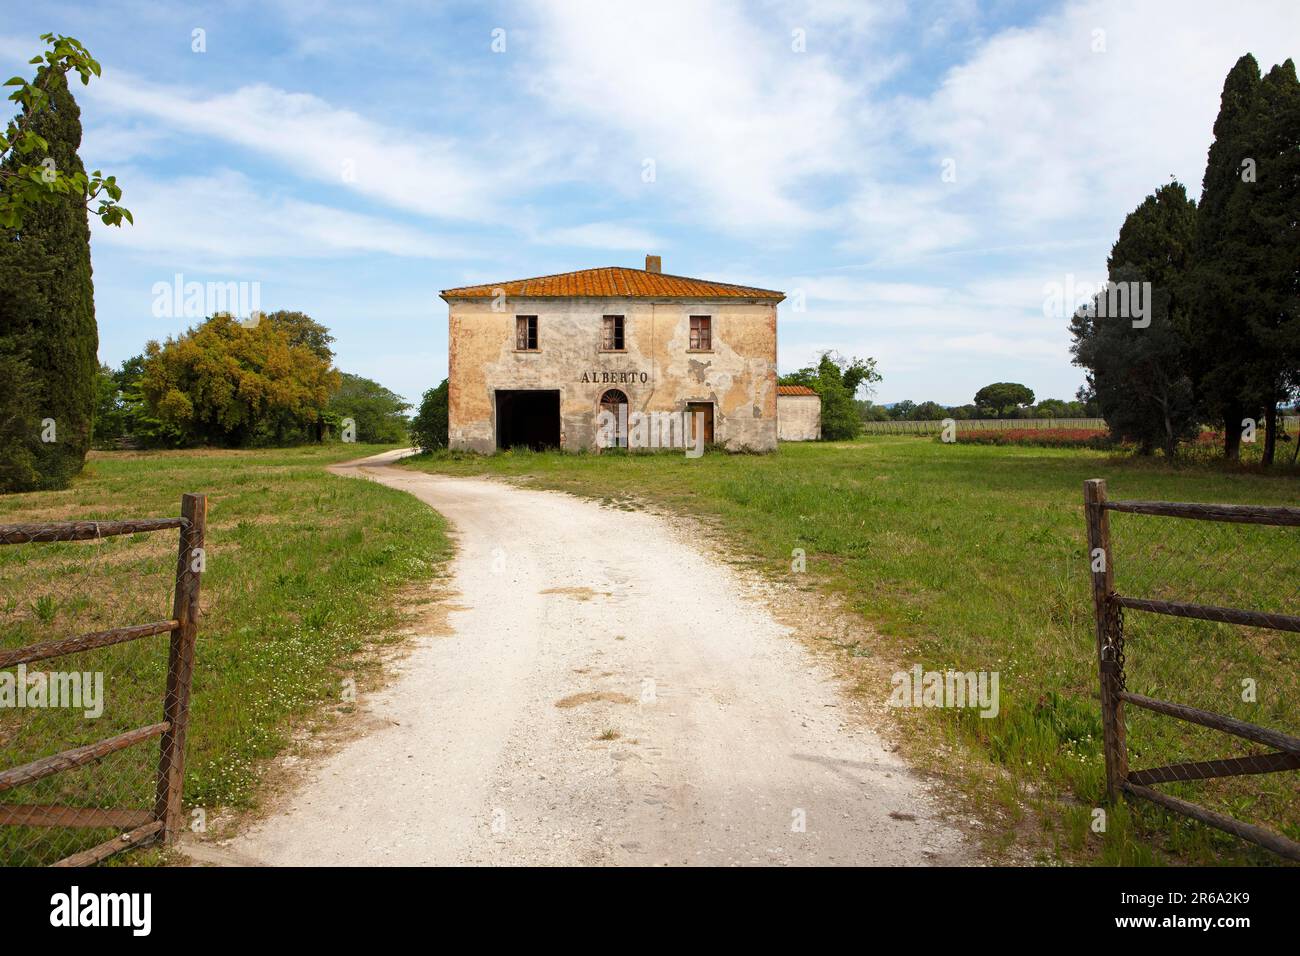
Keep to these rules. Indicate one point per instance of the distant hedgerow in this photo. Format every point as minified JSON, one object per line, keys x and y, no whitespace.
{"x":1038,"y":437}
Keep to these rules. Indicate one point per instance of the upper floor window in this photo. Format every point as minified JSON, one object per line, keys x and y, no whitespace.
{"x":611,"y":339}
{"x":526,"y":333}
{"x":701,"y":333}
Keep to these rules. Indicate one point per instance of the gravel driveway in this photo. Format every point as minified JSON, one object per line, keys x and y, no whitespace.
{"x":608,"y":694}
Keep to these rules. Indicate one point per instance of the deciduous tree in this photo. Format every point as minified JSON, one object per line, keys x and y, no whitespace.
{"x":379,"y":415}
{"x":235,"y":384}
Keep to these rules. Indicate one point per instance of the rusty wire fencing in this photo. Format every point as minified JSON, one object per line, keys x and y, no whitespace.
{"x":97,"y":627}
{"x":1198,"y":614}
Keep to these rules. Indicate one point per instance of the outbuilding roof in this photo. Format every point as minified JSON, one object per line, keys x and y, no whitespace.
{"x":794,"y":390}
{"x":612,"y":282}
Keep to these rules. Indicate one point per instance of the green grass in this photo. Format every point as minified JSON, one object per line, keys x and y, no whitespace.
{"x":973,"y":558}
{"x":301,"y":567}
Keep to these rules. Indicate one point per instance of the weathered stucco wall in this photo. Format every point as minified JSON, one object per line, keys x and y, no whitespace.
{"x":657,"y":370}
{"x":799,"y":417}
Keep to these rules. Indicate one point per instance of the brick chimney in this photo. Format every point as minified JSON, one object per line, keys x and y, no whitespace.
{"x":653,"y":264}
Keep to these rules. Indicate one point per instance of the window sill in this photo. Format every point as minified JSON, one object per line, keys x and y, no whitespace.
{"x":612,"y":351}
{"x":527,"y":351}
{"x":699,"y":351}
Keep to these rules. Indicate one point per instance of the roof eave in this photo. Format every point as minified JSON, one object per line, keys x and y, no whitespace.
{"x":773,"y":297}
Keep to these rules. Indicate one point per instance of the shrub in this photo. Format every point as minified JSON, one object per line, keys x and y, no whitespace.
{"x":1040,"y":437}
{"x":429,"y":427}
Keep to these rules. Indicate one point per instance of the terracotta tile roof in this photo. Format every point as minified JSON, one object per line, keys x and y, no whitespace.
{"x":794,"y":390}
{"x":612,"y":281}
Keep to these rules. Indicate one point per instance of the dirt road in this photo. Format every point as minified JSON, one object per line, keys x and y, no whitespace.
{"x":609,"y":695}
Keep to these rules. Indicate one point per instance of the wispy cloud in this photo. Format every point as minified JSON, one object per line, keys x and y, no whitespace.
{"x":433,"y":175}
{"x":737,"y":122}
{"x":797,"y":144}
{"x":224,"y":219}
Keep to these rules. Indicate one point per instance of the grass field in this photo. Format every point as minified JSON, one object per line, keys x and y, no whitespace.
{"x":973,"y":558}
{"x":300,"y":566}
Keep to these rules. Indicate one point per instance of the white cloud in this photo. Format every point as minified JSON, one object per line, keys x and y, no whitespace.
{"x":1047,"y":132}
{"x":896,"y":224}
{"x":737,"y":123}
{"x":757,"y":148}
{"x":843,"y":288}
{"x":223,"y":218}
{"x":429,"y":174}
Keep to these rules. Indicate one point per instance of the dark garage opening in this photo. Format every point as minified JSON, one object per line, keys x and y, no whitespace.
{"x":528,"y":417}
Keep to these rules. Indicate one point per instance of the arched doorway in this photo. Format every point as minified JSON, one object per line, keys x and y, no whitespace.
{"x":615,"y":402}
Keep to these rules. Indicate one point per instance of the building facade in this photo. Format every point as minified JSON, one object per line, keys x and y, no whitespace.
{"x":536,"y":361}
{"x":798,"y":413}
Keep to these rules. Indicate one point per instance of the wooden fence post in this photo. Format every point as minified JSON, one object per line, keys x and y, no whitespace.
{"x":180,"y":667}
{"x":1103,"y":586}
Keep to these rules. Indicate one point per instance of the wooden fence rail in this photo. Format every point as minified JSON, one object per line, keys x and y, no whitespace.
{"x":164,"y":820}
{"x":1109,"y":609}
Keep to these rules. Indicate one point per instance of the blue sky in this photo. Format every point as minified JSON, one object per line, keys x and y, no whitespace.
{"x":916,"y":176}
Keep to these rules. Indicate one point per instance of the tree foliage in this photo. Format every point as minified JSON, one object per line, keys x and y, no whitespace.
{"x":1245,"y":343}
{"x":379,"y":414}
{"x":1003,"y":397}
{"x":302,"y":330}
{"x":30,"y":170}
{"x":1138,"y":365}
{"x":429,"y":427}
{"x":237,"y":384}
{"x":19,"y":424}
{"x":48,"y":335}
{"x":837,"y":380}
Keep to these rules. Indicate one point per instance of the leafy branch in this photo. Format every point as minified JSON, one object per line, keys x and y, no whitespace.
{"x":24,"y":183}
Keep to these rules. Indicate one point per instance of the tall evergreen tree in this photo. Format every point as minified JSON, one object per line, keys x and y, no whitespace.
{"x":21,"y":298}
{"x":47,"y":317}
{"x":1222,"y":348}
{"x":1138,"y":374}
{"x":1275,"y":216}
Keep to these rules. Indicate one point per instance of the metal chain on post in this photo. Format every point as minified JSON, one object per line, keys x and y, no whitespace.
{"x":1115,"y":629}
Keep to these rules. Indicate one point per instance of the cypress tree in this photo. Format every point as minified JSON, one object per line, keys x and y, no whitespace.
{"x":20,"y":299}
{"x":48,"y":336}
{"x":1275,"y":326}
{"x":1243,"y":328}
{"x":1221,"y":349}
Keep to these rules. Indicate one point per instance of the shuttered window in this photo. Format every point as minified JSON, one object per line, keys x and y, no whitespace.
{"x":611,"y":339}
{"x":526,"y":333}
{"x":701,"y":332}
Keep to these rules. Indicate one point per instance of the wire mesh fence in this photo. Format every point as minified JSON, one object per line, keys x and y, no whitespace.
{"x":981,"y":424}
{"x":97,"y":621}
{"x":1198,"y":608}
{"x":1290,"y":425}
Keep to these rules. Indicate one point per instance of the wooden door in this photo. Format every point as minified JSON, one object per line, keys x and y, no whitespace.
{"x":705,"y":409}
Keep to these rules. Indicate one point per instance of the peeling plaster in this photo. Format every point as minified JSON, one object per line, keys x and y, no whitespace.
{"x":738,"y":375}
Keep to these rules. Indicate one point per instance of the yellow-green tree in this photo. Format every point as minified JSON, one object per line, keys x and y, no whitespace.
{"x":236,"y":384}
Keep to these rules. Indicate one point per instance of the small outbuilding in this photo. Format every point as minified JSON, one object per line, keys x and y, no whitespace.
{"x":798,"y":413}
